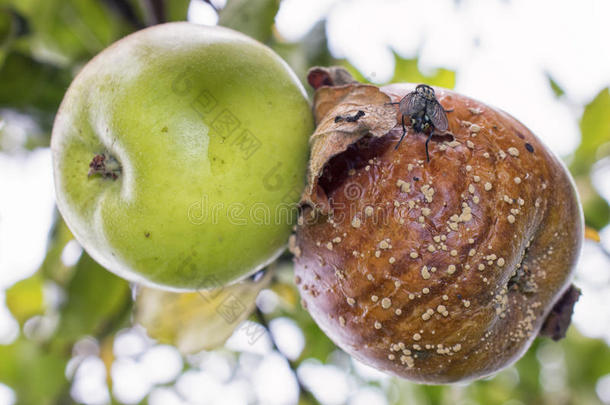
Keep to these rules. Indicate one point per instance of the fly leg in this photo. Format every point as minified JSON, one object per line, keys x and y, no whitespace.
{"x":404,"y":132}
{"x":427,"y":141}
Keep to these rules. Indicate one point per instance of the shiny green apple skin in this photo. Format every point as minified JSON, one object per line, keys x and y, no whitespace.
{"x":210,"y":129}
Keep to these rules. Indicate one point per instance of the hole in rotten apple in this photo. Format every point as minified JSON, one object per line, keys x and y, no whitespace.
{"x":355,"y":157}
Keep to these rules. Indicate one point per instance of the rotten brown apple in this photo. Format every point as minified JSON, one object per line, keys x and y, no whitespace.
{"x":437,"y":271}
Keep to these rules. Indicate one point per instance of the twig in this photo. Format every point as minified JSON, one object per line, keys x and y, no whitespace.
{"x":260,"y":317}
{"x":211,"y":5}
{"x":126,"y":11}
{"x":156,"y":11}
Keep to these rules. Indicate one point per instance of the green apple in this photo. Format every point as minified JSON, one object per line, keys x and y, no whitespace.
{"x":179,"y":154}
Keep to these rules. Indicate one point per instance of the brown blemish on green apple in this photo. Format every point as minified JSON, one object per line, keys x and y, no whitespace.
{"x":104,"y":165}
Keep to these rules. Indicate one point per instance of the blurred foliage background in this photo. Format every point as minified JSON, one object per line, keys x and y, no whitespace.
{"x":86,"y":336}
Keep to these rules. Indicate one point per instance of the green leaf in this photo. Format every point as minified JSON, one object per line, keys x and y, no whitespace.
{"x":176,"y":10}
{"x":36,"y":374}
{"x":581,"y":372}
{"x":529,"y":375}
{"x":197,"y":321}
{"x":434,"y":393}
{"x":252,"y":17}
{"x":596,"y":210}
{"x":12,"y":26}
{"x":595,"y":130}
{"x":407,"y":70}
{"x":159,"y":11}
{"x":52,"y":267}
{"x":71,"y":30}
{"x":6,"y":25}
{"x":557,"y":89}
{"x":7,"y":30}
{"x":303,"y":400}
{"x":595,"y":144}
{"x":26,"y":299}
{"x":502,"y":387}
{"x":32,"y":87}
{"x":97,"y":303}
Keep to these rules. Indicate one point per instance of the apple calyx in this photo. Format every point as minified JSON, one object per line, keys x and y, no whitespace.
{"x":558,"y":320}
{"x":105,"y":165}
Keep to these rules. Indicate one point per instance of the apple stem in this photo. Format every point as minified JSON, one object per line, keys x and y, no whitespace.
{"x":105,"y":165}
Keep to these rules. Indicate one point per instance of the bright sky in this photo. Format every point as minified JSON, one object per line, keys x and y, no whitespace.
{"x":502,"y":52}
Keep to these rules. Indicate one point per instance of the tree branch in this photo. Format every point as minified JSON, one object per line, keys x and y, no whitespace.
{"x":211,"y":5}
{"x":125,"y":9}
{"x":155,"y":9}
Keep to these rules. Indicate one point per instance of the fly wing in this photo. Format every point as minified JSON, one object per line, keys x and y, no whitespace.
{"x":437,"y":115}
{"x":412,"y":103}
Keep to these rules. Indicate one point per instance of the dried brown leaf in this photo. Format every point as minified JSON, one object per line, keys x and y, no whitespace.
{"x":196,"y":321}
{"x":335,"y":111}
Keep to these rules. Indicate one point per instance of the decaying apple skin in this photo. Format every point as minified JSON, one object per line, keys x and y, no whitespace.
{"x":443,"y":271}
